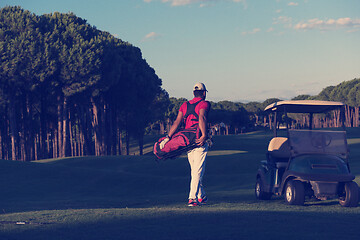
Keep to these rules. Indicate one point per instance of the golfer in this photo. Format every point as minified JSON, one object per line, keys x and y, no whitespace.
{"x":194,"y":114}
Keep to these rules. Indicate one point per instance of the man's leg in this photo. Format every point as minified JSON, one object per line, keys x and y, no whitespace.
{"x":197,"y":161}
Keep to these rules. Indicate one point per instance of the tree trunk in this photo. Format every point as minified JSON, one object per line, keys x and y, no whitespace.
{"x":113,"y":132}
{"x":60,"y":127}
{"x":347,"y":116}
{"x":24,"y":138}
{"x":95,"y":125}
{"x":83,"y":144}
{"x":127,"y":142}
{"x":29,"y":131}
{"x":265,"y":121}
{"x":55,"y":144}
{"x":13,"y":127}
{"x":102,"y":128}
{"x":337,"y":118}
{"x":35,"y":148}
{"x":120,"y":144}
{"x":48,"y":146}
{"x":65,"y":129}
{"x":44,"y":136}
{"x":5,"y":144}
{"x":85,"y":131}
{"x":71,"y":138}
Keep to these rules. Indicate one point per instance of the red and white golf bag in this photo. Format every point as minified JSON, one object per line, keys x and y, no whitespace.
{"x":180,"y":142}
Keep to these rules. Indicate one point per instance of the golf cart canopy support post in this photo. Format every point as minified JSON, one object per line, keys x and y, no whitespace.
{"x":274,"y":124}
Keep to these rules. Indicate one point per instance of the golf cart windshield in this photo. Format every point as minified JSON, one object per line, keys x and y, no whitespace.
{"x":318,"y":142}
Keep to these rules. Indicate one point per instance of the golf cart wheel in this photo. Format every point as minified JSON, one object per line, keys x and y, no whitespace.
{"x":351,"y":195}
{"x":295,"y":193}
{"x":259,"y":191}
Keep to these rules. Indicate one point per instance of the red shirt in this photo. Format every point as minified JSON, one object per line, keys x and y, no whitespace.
{"x":203,"y":105}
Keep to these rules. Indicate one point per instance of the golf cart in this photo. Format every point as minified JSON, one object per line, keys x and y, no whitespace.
{"x":312,"y":163}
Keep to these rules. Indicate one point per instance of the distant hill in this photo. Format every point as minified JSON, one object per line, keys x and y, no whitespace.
{"x":346,"y":92}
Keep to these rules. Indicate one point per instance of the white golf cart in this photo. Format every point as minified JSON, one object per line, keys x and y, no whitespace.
{"x":311,"y":163}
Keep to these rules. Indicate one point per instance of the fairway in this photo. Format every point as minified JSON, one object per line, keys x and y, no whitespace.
{"x":134,"y":197}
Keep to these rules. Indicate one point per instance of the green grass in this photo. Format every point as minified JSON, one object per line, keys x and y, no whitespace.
{"x":133,"y":197}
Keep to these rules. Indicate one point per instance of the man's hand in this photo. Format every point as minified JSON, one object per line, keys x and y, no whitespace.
{"x":200,"y":141}
{"x":202,"y":125}
{"x":163,"y":142}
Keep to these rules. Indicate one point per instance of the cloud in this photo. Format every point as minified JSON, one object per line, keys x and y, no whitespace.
{"x":286,"y":21}
{"x":180,"y":2}
{"x":293,"y":4}
{"x":330,"y":24}
{"x":150,"y":36}
{"x":254,"y":31}
{"x":176,"y":3}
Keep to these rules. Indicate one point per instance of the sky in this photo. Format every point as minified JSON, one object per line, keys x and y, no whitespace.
{"x":242,"y":50}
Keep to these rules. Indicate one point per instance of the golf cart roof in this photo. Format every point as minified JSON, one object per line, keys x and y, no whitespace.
{"x":303,"y":106}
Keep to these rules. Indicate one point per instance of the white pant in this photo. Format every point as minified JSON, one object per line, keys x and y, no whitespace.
{"x":197,"y":158}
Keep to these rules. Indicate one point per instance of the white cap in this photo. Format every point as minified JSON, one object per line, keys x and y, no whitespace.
{"x":200,"y":87}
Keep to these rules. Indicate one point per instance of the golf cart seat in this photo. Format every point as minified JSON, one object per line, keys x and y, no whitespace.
{"x":279,"y":151}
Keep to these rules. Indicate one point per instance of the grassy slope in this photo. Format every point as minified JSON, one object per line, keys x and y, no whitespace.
{"x":132,"y":197}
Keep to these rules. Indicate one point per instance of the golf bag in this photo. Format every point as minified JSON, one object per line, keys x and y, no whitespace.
{"x":180,"y":142}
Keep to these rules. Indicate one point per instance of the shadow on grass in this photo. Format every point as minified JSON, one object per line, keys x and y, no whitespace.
{"x":196,"y":224}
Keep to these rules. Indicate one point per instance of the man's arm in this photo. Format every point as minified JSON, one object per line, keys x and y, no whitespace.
{"x":172,"y":130}
{"x":176,"y":124}
{"x":202,"y":125}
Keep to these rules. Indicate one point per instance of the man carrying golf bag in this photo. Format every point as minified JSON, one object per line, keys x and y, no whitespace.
{"x":194,"y":115}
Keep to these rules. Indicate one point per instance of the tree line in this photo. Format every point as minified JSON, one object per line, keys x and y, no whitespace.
{"x":242,"y":117}
{"x":347,"y":92}
{"x":69,"y":89}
